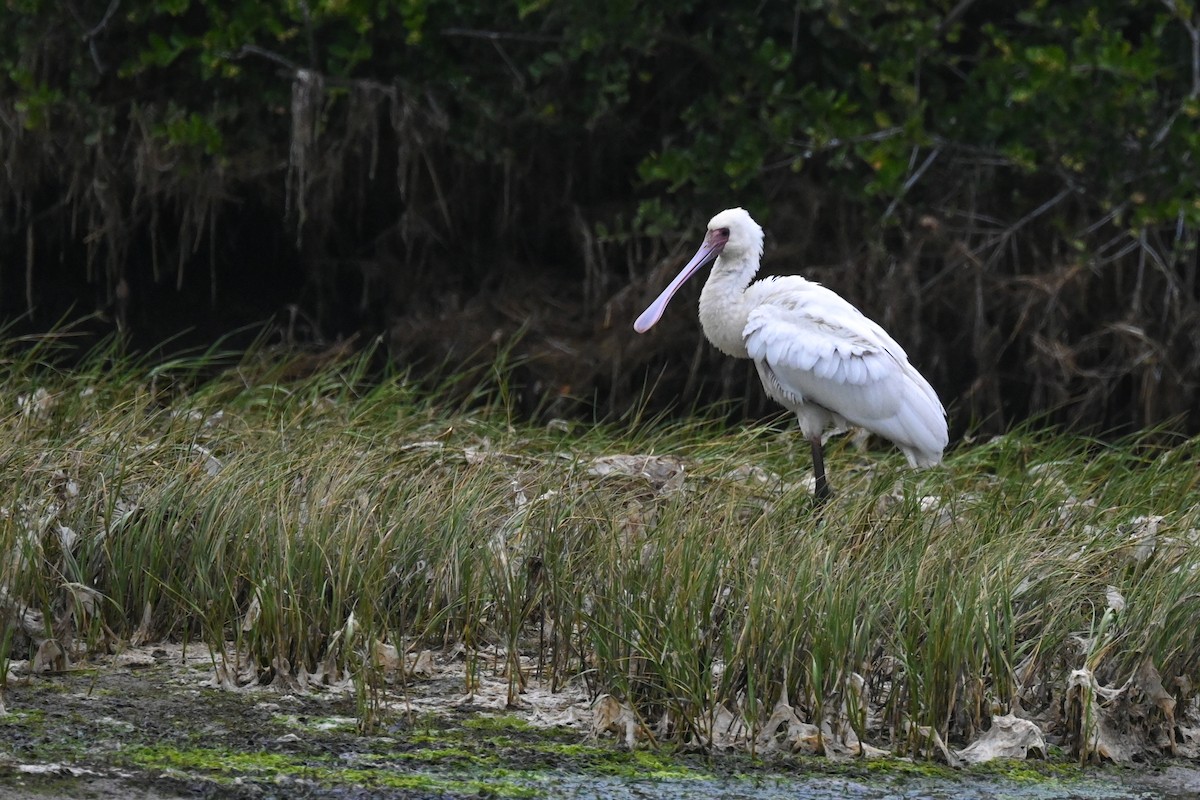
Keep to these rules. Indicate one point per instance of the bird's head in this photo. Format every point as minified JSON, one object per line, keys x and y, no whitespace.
{"x":732,"y":234}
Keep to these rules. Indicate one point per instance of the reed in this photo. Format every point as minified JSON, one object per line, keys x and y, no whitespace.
{"x":298,"y":526}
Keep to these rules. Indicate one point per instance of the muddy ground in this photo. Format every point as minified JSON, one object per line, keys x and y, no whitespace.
{"x":153,"y":724}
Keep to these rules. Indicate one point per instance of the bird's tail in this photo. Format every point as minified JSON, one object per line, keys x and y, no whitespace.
{"x":923,"y":419}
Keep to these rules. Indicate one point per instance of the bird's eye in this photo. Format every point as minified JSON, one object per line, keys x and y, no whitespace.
{"x":723,"y":231}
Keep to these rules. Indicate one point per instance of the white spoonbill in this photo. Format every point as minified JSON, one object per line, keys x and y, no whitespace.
{"x":816,"y":354}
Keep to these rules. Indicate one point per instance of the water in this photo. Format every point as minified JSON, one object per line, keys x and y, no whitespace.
{"x":1123,"y":786}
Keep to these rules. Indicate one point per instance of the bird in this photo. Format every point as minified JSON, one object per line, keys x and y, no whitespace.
{"x":816,"y":354}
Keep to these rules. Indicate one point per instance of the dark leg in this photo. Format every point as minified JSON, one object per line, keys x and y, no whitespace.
{"x":823,"y":493}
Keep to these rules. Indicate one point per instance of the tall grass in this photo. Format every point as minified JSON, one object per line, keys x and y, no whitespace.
{"x":295,"y":525}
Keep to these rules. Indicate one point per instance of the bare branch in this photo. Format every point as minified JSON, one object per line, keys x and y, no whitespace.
{"x":270,"y":55}
{"x":1194,"y":33}
{"x":103,"y":23}
{"x":90,"y":35}
{"x":877,"y":136}
{"x":912,"y":180}
{"x":1011,"y":231}
{"x":953,"y":17}
{"x":296,"y":71}
{"x":475,"y":33}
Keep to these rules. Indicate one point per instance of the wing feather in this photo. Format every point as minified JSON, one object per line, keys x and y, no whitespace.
{"x":818,"y":349}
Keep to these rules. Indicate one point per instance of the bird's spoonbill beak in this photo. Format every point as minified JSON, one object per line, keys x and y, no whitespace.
{"x":714,"y":243}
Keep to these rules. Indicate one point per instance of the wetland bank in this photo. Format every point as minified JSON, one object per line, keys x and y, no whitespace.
{"x":150,"y":723}
{"x":376,"y":580}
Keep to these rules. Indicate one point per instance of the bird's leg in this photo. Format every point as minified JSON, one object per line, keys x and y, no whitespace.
{"x":823,"y":492}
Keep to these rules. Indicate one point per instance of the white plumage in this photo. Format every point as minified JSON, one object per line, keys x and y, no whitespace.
{"x":815,"y":353}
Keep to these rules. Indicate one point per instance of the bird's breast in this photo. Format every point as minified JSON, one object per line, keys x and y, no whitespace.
{"x":725,"y":335}
{"x":723,"y":316}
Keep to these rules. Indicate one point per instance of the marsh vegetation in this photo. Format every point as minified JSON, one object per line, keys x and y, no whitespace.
{"x":326,"y":525}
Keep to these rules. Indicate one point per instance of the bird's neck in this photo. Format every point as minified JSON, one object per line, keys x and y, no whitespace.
{"x":724,"y":308}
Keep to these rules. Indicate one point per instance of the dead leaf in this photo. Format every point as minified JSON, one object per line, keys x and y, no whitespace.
{"x":1150,"y":683}
{"x":212,"y":465}
{"x":752,"y":473}
{"x":665,"y":473}
{"x":36,"y":405}
{"x":252,"y":613}
{"x":929,"y":735}
{"x":1009,"y":737}
{"x":66,"y":538}
{"x":386,"y":656}
{"x":799,"y":737}
{"x":804,"y":737}
{"x":423,"y":666}
{"x":28,"y":620}
{"x":1116,"y":600}
{"x":1143,"y":537}
{"x":1090,"y":723}
{"x":142,"y":634}
{"x":609,"y":714}
{"x":50,"y":657}
{"x":85,"y":599}
{"x":726,"y":729}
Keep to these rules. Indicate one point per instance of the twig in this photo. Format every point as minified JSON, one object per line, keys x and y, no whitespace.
{"x":270,"y":55}
{"x":95,"y":31}
{"x":309,"y":34}
{"x":1025,"y":220}
{"x":912,"y":180}
{"x":1098,"y":224}
{"x":475,"y":33}
{"x":517,"y":77}
{"x":295,"y":69}
{"x":1194,"y":33}
{"x":953,"y":17}
{"x":90,"y":35}
{"x":877,"y":136}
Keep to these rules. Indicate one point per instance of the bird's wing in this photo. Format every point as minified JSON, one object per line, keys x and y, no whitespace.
{"x":819,"y":359}
{"x":820,"y":349}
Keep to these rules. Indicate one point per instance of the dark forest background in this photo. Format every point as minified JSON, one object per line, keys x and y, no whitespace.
{"x":1009,"y":187}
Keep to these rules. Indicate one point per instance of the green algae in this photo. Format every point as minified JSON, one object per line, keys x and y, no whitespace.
{"x":223,"y":766}
{"x":500,"y":723}
{"x":659,"y":766}
{"x":565,"y":749}
{"x":1030,"y":771}
{"x":552,"y":748}
{"x":451,"y":755}
{"x":900,"y":767}
{"x":347,"y":725}
{"x":23,"y":717}
{"x":210,"y":760}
